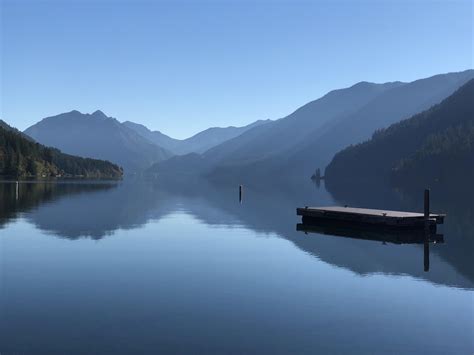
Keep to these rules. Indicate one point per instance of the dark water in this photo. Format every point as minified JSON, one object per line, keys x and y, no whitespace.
{"x":145,"y":267}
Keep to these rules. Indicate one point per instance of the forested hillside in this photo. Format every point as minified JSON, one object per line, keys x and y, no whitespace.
{"x":21,"y":157}
{"x":433,"y":147}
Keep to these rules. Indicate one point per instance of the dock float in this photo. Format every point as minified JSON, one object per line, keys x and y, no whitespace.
{"x":365,"y":216}
{"x":396,"y":227}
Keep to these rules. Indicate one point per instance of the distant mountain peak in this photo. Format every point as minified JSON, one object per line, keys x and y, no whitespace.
{"x":99,"y":114}
{"x":368,"y":84}
{"x":363,"y":83}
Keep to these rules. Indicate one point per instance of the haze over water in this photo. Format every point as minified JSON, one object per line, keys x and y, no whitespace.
{"x":149,"y":267}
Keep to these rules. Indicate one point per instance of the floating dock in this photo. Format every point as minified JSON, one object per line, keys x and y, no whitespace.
{"x":369,"y":217}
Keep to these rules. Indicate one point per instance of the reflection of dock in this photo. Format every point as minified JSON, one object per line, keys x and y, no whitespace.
{"x":368,"y":217}
{"x":375,"y":233}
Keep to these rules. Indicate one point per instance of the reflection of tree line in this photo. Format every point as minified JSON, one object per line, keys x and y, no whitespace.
{"x":24,"y":196}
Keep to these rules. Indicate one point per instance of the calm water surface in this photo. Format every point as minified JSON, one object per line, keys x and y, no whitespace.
{"x":145,"y":267}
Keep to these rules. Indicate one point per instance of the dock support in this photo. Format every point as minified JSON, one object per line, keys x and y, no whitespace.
{"x":427,"y":204}
{"x":427,"y":213}
{"x":240,"y":193}
{"x":426,"y":245}
{"x":426,"y":255}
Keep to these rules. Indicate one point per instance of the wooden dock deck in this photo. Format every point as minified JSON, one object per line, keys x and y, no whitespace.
{"x":365,"y":216}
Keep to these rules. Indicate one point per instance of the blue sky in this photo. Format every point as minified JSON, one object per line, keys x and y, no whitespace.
{"x":182,"y":66}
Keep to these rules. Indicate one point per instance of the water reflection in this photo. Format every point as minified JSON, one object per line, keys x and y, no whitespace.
{"x":19,"y":197}
{"x":394,"y":237}
{"x":98,"y":210}
{"x":376,"y":235}
{"x":454,"y":201}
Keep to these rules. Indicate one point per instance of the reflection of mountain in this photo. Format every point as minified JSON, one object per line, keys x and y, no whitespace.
{"x":30,"y":195}
{"x":96,"y":215}
{"x":265,"y":210}
{"x":272,"y":210}
{"x":130,"y":205}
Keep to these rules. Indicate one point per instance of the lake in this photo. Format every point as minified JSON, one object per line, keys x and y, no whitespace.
{"x":150,"y":267}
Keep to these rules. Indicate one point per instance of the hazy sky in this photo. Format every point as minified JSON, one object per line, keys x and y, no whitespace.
{"x":181,"y":67}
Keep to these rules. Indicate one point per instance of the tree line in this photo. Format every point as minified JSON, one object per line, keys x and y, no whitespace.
{"x":21,"y":157}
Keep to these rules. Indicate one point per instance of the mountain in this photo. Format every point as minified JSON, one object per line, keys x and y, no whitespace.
{"x":309,"y":137}
{"x":432,"y":147}
{"x":281,"y":136}
{"x":20,"y":157}
{"x":199,"y":143}
{"x":276,"y":137}
{"x":155,"y":137}
{"x":390,"y":107}
{"x":315,"y":148}
{"x":97,"y":136}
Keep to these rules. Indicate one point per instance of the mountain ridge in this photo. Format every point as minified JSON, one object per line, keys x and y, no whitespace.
{"x":199,"y":142}
{"x":321,"y":143}
{"x":97,"y":136}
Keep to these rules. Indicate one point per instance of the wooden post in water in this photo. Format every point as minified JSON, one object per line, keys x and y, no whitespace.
{"x":427,"y":204}
{"x":426,"y":245}
{"x":240,"y":193}
{"x":17,"y":190}
{"x":426,"y":258}
{"x":427,"y":213}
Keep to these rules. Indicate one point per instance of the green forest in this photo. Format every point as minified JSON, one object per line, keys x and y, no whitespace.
{"x":433,"y":147}
{"x":21,"y":157}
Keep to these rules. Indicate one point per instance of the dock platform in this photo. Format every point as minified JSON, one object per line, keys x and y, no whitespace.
{"x":365,"y":216}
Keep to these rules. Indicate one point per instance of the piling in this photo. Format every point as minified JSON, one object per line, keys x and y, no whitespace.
{"x":240,"y":193}
{"x":426,"y":258}
{"x":427,"y":204}
{"x":426,"y":244}
{"x":17,"y":190}
{"x":427,"y":213}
